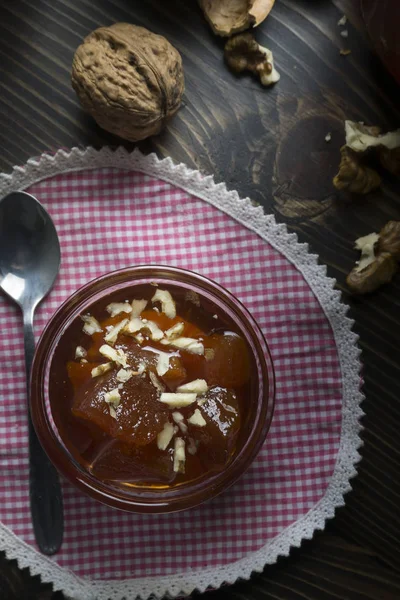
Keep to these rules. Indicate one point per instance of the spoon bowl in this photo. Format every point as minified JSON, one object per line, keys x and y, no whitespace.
{"x":29,"y":249}
{"x":29,"y":264}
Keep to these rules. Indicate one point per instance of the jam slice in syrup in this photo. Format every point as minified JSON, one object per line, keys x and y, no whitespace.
{"x":139,"y":417}
{"x":120,"y":462}
{"x":217,"y":438}
{"x":230,"y":365}
{"x":125,"y":449}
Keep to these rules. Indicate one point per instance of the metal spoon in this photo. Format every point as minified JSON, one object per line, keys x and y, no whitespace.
{"x":29,"y":264}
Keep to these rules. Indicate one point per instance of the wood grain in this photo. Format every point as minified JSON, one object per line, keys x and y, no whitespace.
{"x":268,"y":144}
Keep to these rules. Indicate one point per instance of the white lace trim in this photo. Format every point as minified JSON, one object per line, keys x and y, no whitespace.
{"x":287,"y":243}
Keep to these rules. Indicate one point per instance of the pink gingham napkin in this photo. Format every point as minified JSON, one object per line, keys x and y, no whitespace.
{"x":110,"y":217}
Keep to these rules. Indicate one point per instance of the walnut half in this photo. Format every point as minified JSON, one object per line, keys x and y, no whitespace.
{"x":353,"y":176}
{"x":243,"y":53}
{"x":389,"y":239}
{"x":380,"y":271}
{"x":363,"y":142}
{"x":360,"y":138}
{"x":379,"y":257}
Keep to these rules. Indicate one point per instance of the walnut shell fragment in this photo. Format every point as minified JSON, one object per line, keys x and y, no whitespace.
{"x":243,"y":53}
{"x":129,"y":79}
{"x":379,"y":259}
{"x":227,"y":17}
{"x":353,"y":176}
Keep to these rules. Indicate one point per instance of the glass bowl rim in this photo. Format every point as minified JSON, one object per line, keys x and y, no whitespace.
{"x":193,"y":494}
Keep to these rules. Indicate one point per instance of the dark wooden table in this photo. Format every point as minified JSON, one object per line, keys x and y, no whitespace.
{"x":268,"y":144}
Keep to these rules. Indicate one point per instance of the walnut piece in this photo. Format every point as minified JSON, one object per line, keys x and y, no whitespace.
{"x":376,"y":274}
{"x":360,"y":138}
{"x":389,"y":239}
{"x":353,"y":176}
{"x":129,"y":79}
{"x":243,"y":53}
{"x":366,"y":142}
{"x":227,"y":17}
{"x":366,"y":245}
{"x":379,"y":256}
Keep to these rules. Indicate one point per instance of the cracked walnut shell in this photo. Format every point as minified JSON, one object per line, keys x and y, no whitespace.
{"x":227,"y":17}
{"x":129,"y":79}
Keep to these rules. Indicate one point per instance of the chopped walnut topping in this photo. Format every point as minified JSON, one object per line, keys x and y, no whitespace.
{"x":112,"y":335}
{"x":179,"y":456}
{"x":101,"y":369}
{"x":124,"y":375}
{"x":185,"y":343}
{"x":138,"y":307}
{"x":197,"y":386}
{"x":177,"y":400}
{"x":165,"y":436}
{"x":168,"y":305}
{"x":91,"y":325}
{"x":179,"y":420}
{"x":116,"y":308}
{"x":156,"y":382}
{"x":80,"y":352}
{"x":197,"y":419}
{"x":117,"y":356}
{"x":174,"y":331}
{"x":113,"y":399}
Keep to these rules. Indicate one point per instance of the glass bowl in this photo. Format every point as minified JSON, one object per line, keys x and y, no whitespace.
{"x":49,"y":389}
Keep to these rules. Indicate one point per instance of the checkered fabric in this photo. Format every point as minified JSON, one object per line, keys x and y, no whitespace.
{"x":108,"y":219}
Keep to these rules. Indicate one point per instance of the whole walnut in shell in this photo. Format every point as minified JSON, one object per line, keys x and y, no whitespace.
{"x":129,"y":79}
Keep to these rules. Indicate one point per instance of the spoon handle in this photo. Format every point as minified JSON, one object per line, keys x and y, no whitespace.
{"x":44,"y":484}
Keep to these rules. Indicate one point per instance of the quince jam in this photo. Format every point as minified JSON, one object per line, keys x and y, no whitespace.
{"x":157,"y":388}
